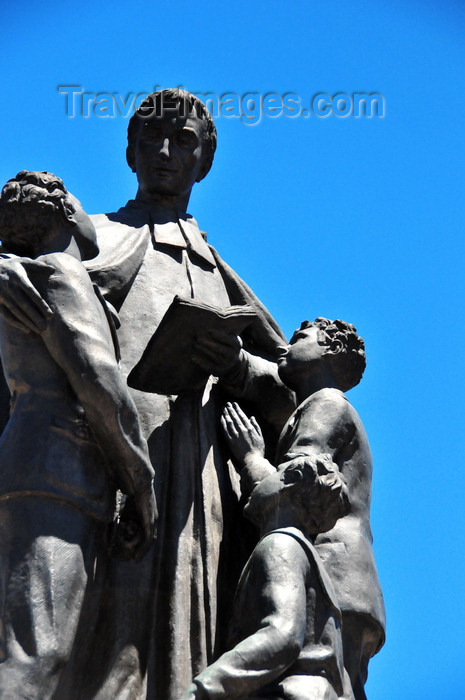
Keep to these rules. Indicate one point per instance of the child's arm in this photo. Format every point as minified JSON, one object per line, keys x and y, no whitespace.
{"x":245,"y":439}
{"x":275,"y":609}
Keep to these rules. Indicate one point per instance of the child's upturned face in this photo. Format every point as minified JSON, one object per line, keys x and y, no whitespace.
{"x":301,"y":354}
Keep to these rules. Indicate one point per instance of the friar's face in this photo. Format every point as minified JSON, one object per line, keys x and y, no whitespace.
{"x":168,"y":154}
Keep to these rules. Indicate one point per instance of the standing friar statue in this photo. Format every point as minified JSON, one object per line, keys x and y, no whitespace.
{"x":163,"y":620}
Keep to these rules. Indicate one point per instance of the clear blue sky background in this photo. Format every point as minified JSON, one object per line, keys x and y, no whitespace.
{"x":361,"y":219}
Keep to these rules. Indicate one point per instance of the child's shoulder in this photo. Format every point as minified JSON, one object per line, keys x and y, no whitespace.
{"x":63,"y":262}
{"x":329,"y":394}
{"x":327,"y":400}
{"x":60,"y":273}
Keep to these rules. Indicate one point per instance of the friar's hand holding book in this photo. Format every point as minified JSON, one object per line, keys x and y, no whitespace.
{"x":192,"y":342}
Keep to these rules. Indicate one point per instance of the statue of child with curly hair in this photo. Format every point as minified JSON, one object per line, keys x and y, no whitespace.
{"x":278,"y":651}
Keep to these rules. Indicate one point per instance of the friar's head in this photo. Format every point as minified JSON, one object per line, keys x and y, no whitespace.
{"x":171,"y":144}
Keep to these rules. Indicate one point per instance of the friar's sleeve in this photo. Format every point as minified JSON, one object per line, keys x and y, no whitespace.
{"x":79,"y":340}
{"x":256,"y":378}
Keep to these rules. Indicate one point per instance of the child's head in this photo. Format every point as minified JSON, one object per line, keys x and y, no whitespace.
{"x":34,"y":208}
{"x":330,"y":345}
{"x":313,"y":488}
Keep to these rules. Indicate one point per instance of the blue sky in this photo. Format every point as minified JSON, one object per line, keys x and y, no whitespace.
{"x":361,"y":219}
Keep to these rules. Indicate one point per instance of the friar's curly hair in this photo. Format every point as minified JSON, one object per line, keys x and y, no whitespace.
{"x":29,"y":205}
{"x":348,"y":358}
{"x":183,"y":102}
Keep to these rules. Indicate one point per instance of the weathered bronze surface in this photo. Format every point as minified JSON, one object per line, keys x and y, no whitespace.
{"x":92,"y":607}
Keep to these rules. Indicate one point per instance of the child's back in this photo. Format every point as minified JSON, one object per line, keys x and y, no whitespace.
{"x":327,"y":422}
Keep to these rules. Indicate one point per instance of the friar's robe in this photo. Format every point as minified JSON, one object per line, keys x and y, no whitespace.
{"x":159,"y":628}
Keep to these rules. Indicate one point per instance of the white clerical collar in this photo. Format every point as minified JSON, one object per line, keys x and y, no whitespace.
{"x":181,"y":233}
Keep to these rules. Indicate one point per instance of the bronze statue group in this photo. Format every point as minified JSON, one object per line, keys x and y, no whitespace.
{"x":210,"y":544}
